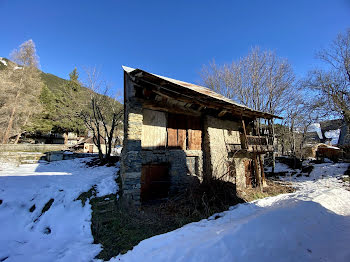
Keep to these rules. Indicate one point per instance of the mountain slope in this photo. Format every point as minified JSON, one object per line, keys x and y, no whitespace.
{"x":61,"y":104}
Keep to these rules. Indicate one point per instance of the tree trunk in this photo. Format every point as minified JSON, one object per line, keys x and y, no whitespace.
{"x":10,"y":124}
{"x":65,"y":135}
{"x":24,"y":123}
{"x":17,"y":138}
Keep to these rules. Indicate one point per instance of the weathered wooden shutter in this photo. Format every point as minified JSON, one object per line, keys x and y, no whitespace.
{"x":154,"y":133}
{"x":194,"y":133}
{"x":181,"y":131}
{"x":172,"y":132}
{"x":177,"y":131}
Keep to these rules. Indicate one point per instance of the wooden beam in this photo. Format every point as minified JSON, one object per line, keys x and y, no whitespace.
{"x":257,"y":175}
{"x":262,"y":170}
{"x":245,"y":134}
{"x":165,"y":106}
{"x":222,"y":113}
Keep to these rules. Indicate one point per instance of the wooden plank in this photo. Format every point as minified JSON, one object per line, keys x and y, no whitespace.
{"x":154,"y":133}
{"x":257,"y":175}
{"x":172,"y":132}
{"x":245,"y":134}
{"x":262,"y":170}
{"x":181,"y":131}
{"x":194,"y":133}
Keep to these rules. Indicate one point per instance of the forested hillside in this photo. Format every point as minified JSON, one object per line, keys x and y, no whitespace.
{"x":61,"y":102}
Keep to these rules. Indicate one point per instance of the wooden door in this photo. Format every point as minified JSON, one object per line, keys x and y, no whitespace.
{"x":155,"y":181}
{"x":91,"y":149}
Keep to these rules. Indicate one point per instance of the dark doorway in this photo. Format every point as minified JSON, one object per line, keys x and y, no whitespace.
{"x":155,"y":182}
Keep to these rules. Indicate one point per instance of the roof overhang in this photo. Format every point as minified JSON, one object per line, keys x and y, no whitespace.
{"x":195,"y":93}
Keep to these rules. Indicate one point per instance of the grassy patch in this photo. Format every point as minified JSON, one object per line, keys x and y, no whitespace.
{"x":32,"y":208}
{"x":273,"y":189}
{"x":47,"y":206}
{"x":83,"y":197}
{"x":346,"y":179}
{"x":119,"y":225}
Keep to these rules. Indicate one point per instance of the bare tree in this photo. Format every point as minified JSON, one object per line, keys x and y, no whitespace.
{"x":21,"y":85}
{"x":332,"y":85}
{"x":261,"y":81}
{"x":103,"y":114}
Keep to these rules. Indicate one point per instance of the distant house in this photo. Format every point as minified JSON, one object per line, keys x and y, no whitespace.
{"x":322,"y":150}
{"x":327,"y":151}
{"x":332,"y":132}
{"x":177,"y":134}
{"x":68,"y":139}
{"x":87,"y":146}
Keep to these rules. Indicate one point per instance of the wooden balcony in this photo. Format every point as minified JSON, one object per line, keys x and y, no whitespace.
{"x":254,"y":144}
{"x":257,"y":144}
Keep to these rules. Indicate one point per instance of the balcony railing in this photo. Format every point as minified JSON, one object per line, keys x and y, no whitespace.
{"x":257,"y":143}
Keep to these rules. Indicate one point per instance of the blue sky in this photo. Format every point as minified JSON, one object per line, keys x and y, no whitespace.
{"x":171,"y":38}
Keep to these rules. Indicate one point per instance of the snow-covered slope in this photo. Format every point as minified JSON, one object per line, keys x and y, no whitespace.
{"x":63,"y":232}
{"x":312,"y":224}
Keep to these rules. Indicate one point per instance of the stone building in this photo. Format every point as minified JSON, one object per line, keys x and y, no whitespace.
{"x":177,"y":134}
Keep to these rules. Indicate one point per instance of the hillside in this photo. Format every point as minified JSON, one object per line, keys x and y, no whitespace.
{"x":61,"y":100}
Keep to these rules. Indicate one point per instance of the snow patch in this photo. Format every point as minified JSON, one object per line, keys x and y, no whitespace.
{"x":334,"y":135}
{"x":316,"y":127}
{"x":63,"y":232}
{"x":3,"y":61}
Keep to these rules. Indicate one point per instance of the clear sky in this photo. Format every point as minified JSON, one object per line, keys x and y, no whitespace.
{"x":170,"y":38}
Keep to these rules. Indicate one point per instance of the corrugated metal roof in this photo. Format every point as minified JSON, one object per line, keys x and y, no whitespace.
{"x":200,"y":89}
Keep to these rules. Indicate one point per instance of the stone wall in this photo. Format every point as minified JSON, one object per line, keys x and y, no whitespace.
{"x":131,"y":159}
{"x":218,"y":133}
{"x":185,"y":166}
{"x":30,"y":147}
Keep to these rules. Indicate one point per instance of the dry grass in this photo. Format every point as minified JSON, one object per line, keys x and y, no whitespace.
{"x":273,"y":188}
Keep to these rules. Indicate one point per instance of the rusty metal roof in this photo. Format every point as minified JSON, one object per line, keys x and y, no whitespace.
{"x":202,"y":90}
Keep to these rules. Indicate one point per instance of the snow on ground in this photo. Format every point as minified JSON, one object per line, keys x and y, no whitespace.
{"x":62,"y":233}
{"x":311,"y":224}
